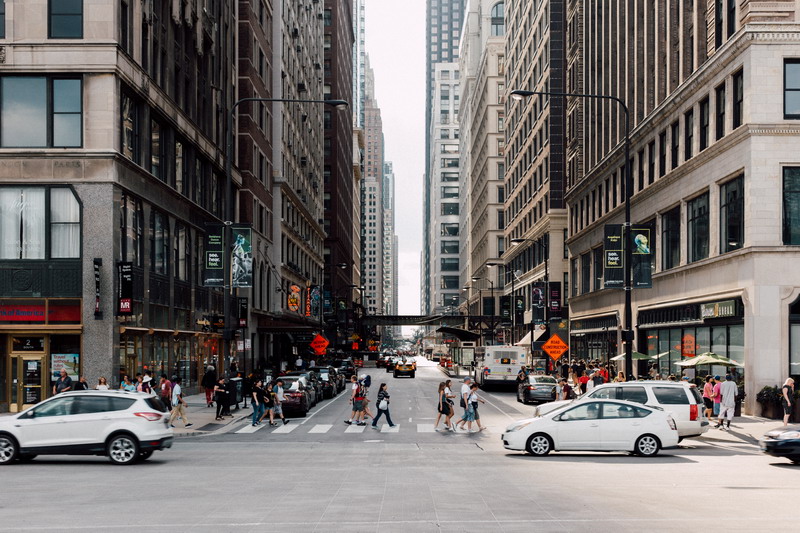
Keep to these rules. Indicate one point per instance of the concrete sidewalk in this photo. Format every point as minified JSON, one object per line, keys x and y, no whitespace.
{"x":203,"y":420}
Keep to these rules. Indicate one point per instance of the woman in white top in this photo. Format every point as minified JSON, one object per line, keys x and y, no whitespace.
{"x":102,"y":384}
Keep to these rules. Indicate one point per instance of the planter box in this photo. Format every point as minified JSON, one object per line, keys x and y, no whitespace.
{"x":773,"y":411}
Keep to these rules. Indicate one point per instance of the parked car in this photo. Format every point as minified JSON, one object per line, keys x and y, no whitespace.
{"x":382,"y":360}
{"x":682,"y":400}
{"x":345,"y":367}
{"x":405,"y":367}
{"x":312,"y":381}
{"x":537,"y":389}
{"x":299,"y":395}
{"x":328,"y":379}
{"x":125,"y":426}
{"x":782,"y":442}
{"x":391,"y":362}
{"x":596,"y":425}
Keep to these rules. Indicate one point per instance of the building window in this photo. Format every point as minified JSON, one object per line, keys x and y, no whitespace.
{"x":720,"y":105}
{"x":130,"y":128}
{"x":449,"y":230}
{"x":675,"y":142}
{"x":125,"y":30}
{"x":718,"y":23}
{"x":731,"y":17}
{"x":597,"y":267}
{"x":704,"y":122}
{"x":498,"y":19}
{"x":688,"y":130}
{"x":662,"y":154}
{"x":449,"y":247}
{"x":697,"y":228}
{"x":155,"y":150}
{"x":449,"y":208}
{"x":2,"y":19}
{"x":731,"y":215}
{"x":738,"y":99}
{"x":25,"y":219}
{"x":671,"y":238}
{"x":131,"y":227}
{"x":586,"y":267}
{"x":641,"y":169}
{"x":159,"y":242}
{"x":41,"y":112}
{"x":791,"y":205}
{"x":574,"y":270}
{"x":449,"y":282}
{"x":791,"y":88}
{"x":651,"y":162}
{"x":449,"y":192}
{"x":449,"y":176}
{"x":183,"y":252}
{"x":449,"y":264}
{"x":65,"y":19}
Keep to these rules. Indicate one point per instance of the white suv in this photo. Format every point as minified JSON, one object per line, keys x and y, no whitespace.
{"x":125,"y":426}
{"x":682,"y":400}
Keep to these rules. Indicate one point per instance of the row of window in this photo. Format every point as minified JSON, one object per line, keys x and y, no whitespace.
{"x":64,"y":19}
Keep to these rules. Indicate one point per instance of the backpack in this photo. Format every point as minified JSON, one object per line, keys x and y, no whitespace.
{"x":368,"y":381}
{"x":362,"y":390}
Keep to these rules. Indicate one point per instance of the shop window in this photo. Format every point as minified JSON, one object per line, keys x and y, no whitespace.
{"x":791,"y":205}
{"x":41,"y":112}
{"x":671,"y":238}
{"x":731,"y":215}
{"x":65,"y":19}
{"x":24,"y":223}
{"x":697,"y":228}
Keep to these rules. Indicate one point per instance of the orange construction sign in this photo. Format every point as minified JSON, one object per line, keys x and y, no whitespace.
{"x":555,"y":347}
{"x":319,"y":344}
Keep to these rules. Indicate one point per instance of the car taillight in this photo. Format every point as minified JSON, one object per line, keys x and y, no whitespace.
{"x":693,"y":412}
{"x":531,"y":387}
{"x":671,"y":423}
{"x":151,"y":417}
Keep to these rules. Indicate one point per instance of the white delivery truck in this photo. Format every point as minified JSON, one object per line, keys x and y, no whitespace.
{"x":500,"y":365}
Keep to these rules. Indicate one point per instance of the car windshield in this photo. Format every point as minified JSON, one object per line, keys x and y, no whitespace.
{"x":543,"y":379}
{"x":291,"y":383}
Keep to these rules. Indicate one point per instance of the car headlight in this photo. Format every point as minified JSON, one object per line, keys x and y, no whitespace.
{"x":787,"y":435}
{"x":518,"y":426}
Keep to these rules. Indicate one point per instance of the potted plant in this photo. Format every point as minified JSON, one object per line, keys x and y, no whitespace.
{"x":770,"y":400}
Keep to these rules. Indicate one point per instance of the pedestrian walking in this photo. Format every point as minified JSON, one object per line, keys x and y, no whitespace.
{"x":208,"y":382}
{"x":787,"y":400}
{"x":522,"y":375}
{"x":102,"y":384}
{"x":259,"y":401}
{"x":444,"y":408}
{"x":298,"y":364}
{"x":366,"y":381}
{"x":178,"y":405}
{"x":278,"y":399}
{"x":727,"y":404}
{"x":716,"y":395}
{"x":357,"y":399}
{"x":221,"y":397}
{"x":708,"y":397}
{"x":469,"y":413}
{"x":567,"y":393}
{"x":464,"y":393}
{"x":269,"y":404}
{"x":383,"y":406}
{"x":583,"y":380}
{"x":165,"y":389}
{"x":474,"y":399}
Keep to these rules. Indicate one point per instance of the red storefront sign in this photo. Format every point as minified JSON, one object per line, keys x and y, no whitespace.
{"x":17,"y":313}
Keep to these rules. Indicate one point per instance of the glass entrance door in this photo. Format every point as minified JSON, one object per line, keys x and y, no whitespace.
{"x":27,"y":381}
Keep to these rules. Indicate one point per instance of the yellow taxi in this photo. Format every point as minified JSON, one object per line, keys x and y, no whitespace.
{"x":405,"y":367}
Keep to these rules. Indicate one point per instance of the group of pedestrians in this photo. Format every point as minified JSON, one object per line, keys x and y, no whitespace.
{"x":267,"y":401}
{"x":719,"y":399}
{"x":468,"y":400}
{"x":359,"y":397}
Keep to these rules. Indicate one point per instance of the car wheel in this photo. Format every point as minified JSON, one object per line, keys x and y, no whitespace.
{"x":794,"y":458}
{"x":27,"y":457}
{"x":647,"y":446}
{"x":8,"y":449}
{"x":145,"y":455}
{"x":539,"y":444}
{"x":123,"y":449}
{"x":413,"y":374}
{"x":395,"y":374}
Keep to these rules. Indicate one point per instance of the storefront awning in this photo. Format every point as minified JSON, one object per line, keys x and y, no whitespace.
{"x":526,"y":340}
{"x":460,"y":334}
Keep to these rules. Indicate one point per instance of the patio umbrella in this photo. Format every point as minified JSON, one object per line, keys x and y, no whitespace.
{"x":708,"y":358}
{"x":635,"y":355}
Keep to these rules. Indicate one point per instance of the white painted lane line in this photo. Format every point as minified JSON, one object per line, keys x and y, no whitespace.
{"x":355,"y":429}
{"x":386,"y":429}
{"x":249,"y":428}
{"x":312,"y":415}
{"x":286,"y":428}
{"x":425,"y":428}
{"x":321,"y":428}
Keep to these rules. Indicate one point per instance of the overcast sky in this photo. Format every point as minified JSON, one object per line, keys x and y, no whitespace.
{"x":395,"y":42}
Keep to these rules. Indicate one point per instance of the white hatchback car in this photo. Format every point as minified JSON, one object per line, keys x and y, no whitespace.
{"x":681,"y":400}
{"x":125,"y":426}
{"x":602,"y":425}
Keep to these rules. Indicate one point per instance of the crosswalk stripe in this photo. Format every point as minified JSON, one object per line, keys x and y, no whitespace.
{"x":249,"y":428}
{"x":387,"y":429}
{"x":321,"y":428}
{"x":425,"y":428}
{"x":355,"y":429}
{"x":286,"y":428}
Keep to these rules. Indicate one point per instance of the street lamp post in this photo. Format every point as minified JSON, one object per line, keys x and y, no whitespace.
{"x":227,"y":285}
{"x":627,"y":334}
{"x":491,"y":288}
{"x":513,"y":306}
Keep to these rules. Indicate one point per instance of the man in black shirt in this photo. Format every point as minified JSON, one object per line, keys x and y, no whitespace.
{"x":63,"y":384}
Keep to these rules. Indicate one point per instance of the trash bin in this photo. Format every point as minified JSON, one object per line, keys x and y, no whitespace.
{"x":237,"y":390}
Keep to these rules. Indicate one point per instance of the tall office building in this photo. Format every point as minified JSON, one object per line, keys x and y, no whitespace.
{"x":715,"y":166}
{"x":389,"y":245}
{"x":359,"y":63}
{"x":443,"y":32}
{"x":482,"y":66}
{"x":535,"y":211}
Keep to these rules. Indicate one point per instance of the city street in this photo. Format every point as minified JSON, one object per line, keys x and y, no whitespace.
{"x":318,"y":474}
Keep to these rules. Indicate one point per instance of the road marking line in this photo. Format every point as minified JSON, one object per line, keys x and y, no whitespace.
{"x":250,"y":428}
{"x":312,"y":415}
{"x":355,"y":429}
{"x":425,"y":428}
{"x":286,"y":428}
{"x":387,"y":429}
{"x":321,"y":428}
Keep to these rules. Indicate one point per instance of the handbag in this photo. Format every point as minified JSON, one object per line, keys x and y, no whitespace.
{"x":383,"y":405}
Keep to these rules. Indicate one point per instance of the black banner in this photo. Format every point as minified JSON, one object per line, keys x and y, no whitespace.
{"x":554,"y":288}
{"x":643,"y":251}
{"x":505,"y":307}
{"x":125,"y":288}
{"x":613,"y":249}
{"x":213,"y":264}
{"x":242,"y":312}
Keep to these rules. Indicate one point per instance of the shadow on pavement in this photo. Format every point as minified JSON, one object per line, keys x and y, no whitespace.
{"x":612,"y":458}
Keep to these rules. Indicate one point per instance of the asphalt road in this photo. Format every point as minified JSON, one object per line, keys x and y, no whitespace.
{"x":325,"y":476}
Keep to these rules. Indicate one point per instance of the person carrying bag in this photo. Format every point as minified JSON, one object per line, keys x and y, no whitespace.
{"x":383,"y":407}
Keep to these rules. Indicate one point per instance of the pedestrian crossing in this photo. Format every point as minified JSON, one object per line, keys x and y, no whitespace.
{"x":331,"y":428}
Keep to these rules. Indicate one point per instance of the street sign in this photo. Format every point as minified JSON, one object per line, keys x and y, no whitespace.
{"x":555,"y":347}
{"x":319,"y":344}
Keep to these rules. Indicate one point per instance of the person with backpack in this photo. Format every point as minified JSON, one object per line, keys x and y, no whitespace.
{"x":366,"y":381}
{"x":178,"y":405}
{"x":383,"y":406}
{"x":567,"y":393}
{"x":278,"y":399}
{"x":357,"y":399}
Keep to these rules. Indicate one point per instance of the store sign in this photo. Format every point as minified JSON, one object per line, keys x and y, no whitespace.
{"x":214,"y":266}
{"x":308,"y":301}
{"x":293,"y":300}
{"x":125,"y":288}
{"x":723,"y":309}
{"x":242,"y":257}
{"x":22,"y":313}
{"x":554,"y":288}
{"x":243,"y":311}
{"x":642,"y":257}
{"x":28,"y":344}
{"x":614,"y":265}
